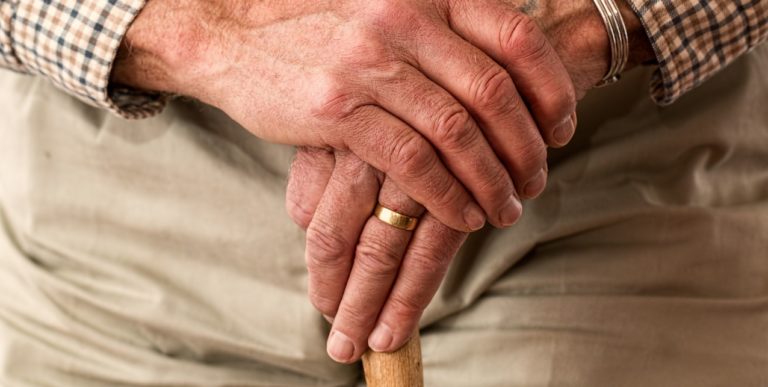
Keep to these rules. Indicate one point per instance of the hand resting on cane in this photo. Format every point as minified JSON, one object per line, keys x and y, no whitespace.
{"x":376,"y":286}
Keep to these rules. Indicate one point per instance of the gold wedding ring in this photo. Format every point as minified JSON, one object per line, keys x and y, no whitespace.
{"x":395,"y":219}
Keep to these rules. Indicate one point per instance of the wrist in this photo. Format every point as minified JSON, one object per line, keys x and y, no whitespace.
{"x":640,"y":49}
{"x":164,"y":47}
{"x":579,"y":34}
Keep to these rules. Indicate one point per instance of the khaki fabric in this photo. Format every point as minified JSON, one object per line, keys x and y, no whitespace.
{"x":158,"y":252}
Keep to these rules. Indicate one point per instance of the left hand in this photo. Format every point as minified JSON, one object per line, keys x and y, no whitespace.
{"x":384,"y":289}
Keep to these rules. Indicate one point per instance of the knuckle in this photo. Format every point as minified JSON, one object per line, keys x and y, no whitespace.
{"x":392,"y":71}
{"x":493,"y":88}
{"x":352,"y":171}
{"x":496,"y":184}
{"x":430,"y":260}
{"x":365,"y":47}
{"x":323,"y":303}
{"x":336,"y":99}
{"x":522,"y":36}
{"x":377,"y":259}
{"x":357,"y":318}
{"x":444,"y":195}
{"x":557,"y":105}
{"x":453,"y":127}
{"x":325,"y":248}
{"x":405,"y":308}
{"x":411,"y":157}
{"x":391,"y":14}
{"x":531,"y":156}
{"x":385,"y":10}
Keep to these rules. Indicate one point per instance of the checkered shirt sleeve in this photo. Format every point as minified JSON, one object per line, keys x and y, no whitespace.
{"x":73,"y":43}
{"x":694,"y":39}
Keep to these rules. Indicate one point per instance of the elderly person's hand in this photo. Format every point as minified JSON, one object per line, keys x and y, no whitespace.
{"x":354,"y":259}
{"x":422,"y":90}
{"x":374,"y":279}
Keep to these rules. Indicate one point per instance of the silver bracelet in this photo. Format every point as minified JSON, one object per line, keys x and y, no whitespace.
{"x":618,"y":38}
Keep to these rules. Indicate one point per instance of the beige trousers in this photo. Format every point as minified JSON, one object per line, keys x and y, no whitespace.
{"x":158,"y":253}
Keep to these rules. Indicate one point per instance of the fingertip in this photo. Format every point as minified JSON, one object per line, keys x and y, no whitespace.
{"x":474,"y":217}
{"x":381,"y":338}
{"x":384,"y":339}
{"x":511,"y":212}
{"x":563,"y":132}
{"x":340,"y":348}
{"x":536,"y":185}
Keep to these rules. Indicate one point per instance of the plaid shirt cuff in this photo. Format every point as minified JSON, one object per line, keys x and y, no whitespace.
{"x":74,"y":44}
{"x":694,"y":39}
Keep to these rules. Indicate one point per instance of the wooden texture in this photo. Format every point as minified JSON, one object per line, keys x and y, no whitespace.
{"x":401,"y":368}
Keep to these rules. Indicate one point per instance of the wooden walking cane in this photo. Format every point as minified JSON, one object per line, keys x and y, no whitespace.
{"x":401,"y":368}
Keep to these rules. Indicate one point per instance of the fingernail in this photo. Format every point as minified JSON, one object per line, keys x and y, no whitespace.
{"x":340,"y":347}
{"x":511,"y":211}
{"x":536,"y":185}
{"x":474,"y":217}
{"x":564,"y":132}
{"x":328,"y":318}
{"x":381,"y":338}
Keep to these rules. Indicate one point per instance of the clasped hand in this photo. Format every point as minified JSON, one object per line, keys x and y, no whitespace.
{"x":481,"y":85}
{"x":435,"y":108}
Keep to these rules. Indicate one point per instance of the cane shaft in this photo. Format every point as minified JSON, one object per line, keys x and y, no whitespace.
{"x":401,"y":368}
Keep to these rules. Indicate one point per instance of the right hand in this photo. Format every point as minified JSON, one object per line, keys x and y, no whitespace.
{"x":433,"y":93}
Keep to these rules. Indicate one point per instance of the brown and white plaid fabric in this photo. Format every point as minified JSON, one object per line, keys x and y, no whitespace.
{"x":74,"y":42}
{"x":694,"y":39}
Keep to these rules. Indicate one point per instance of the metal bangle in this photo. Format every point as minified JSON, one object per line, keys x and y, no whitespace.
{"x":617,"y":37}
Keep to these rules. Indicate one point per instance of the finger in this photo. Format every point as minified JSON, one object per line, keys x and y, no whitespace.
{"x":516,"y":41}
{"x":488,"y":92}
{"x":333,"y":233}
{"x":438,"y":116}
{"x":396,"y":149}
{"x":310,"y":172}
{"x":429,"y":254}
{"x":376,"y":264}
